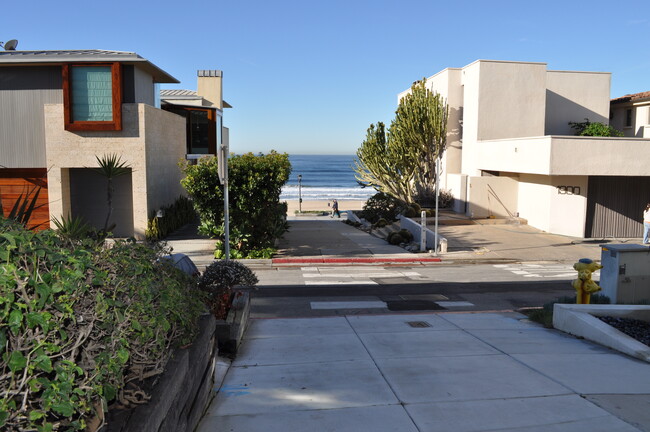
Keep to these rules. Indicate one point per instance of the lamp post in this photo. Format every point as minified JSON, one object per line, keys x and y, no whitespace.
{"x":299,"y":193}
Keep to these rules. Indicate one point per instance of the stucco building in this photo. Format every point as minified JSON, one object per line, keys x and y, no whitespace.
{"x":511,"y":151}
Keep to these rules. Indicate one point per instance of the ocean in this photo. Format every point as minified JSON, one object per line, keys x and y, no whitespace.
{"x":324,"y":177}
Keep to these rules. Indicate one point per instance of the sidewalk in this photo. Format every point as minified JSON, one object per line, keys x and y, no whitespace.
{"x":449,"y":372}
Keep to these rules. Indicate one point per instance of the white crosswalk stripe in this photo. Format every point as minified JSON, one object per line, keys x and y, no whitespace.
{"x":560,"y":271}
{"x":352,"y":275}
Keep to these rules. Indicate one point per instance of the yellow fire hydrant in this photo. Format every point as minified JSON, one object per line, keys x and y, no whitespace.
{"x":584,"y":286}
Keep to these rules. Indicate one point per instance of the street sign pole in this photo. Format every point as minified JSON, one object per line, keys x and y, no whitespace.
{"x":222,"y":165}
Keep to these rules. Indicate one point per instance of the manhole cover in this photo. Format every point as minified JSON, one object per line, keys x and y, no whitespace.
{"x":418,"y":324}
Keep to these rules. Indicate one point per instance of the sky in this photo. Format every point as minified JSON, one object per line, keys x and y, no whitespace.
{"x":310,"y":76}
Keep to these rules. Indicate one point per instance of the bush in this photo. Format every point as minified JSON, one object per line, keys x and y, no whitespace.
{"x":396,"y":239}
{"x":257,"y":217}
{"x":598,"y":129}
{"x":180,"y":213}
{"x":79,"y":321}
{"x":381,"y":223}
{"x":218,"y":280}
{"x":406,"y":235}
{"x":381,"y":206}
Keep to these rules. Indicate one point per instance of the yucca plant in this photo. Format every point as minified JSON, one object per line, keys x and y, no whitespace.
{"x":111,"y":166}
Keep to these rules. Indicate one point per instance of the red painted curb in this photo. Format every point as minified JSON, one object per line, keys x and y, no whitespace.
{"x":352,"y":260}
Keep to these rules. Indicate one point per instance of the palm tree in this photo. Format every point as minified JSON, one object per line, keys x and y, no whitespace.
{"x":111,"y":166}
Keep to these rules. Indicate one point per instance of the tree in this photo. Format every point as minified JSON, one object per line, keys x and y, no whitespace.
{"x":401,"y":162}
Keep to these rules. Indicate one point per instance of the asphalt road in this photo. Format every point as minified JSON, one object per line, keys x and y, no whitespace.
{"x":348,"y":290}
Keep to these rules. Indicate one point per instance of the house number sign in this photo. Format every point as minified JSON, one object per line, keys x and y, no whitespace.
{"x":568,"y":190}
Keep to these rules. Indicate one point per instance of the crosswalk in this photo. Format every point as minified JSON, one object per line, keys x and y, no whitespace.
{"x":354,"y":275}
{"x":559,"y":271}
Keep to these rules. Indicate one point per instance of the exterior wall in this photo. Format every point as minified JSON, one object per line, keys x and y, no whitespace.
{"x":149,"y":143}
{"x":546,"y":209}
{"x":144,"y":87}
{"x":501,"y":100}
{"x":565,"y":155}
{"x":492,"y":196}
{"x":23,"y":92}
{"x":575,"y":96}
{"x":165,"y":146}
{"x":640,"y":119}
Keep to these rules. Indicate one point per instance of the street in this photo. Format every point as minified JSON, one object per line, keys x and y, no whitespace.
{"x":312,"y":291}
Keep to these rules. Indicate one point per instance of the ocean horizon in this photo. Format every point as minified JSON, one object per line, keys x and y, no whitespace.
{"x":324,"y":177}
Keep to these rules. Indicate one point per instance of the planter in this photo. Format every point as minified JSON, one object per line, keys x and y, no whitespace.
{"x":230,"y":331}
{"x":184,"y":390}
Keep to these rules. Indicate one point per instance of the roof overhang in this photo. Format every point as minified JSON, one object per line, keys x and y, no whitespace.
{"x":34,"y":58}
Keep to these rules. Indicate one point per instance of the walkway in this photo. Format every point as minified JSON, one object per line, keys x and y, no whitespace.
{"x":426,"y":372}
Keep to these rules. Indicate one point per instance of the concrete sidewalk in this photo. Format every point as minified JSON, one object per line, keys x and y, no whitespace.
{"x":426,"y":372}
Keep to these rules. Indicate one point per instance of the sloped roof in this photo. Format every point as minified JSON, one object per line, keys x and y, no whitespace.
{"x":632,"y":97}
{"x":174,"y":93}
{"x":81,"y":56}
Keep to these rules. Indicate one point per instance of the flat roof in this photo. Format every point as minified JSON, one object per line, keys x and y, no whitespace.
{"x":26,"y":58}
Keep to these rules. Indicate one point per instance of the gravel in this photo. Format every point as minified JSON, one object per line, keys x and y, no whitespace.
{"x":639,"y":330}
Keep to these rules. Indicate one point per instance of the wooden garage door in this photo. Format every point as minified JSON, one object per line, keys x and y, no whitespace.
{"x":615,"y":206}
{"x":15,"y":182}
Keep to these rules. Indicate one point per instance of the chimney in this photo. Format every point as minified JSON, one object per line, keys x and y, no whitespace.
{"x":210,"y":87}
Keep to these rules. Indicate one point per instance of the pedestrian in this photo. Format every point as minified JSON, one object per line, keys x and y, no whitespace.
{"x":335,"y":209}
{"x":646,"y":224}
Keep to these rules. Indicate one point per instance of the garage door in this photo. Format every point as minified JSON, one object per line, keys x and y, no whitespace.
{"x":615,"y":206}
{"x":15,"y":182}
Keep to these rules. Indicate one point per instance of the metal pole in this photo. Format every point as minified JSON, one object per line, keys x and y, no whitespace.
{"x":435,"y":245}
{"x":299,"y":193}
{"x":226,"y":212}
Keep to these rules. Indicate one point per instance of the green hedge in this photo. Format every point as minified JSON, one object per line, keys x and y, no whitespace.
{"x":176,"y":215}
{"x":257,"y":217}
{"x":78,"y":321}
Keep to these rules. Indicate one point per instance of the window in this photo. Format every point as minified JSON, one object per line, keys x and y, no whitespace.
{"x":92,"y":97}
{"x":202,"y":137}
{"x":628,"y":117}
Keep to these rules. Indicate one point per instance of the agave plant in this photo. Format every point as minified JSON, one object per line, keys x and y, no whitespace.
{"x":111,"y":166}
{"x":72,"y":228}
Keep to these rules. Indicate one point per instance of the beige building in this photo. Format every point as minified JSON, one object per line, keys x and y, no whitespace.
{"x":511,"y":151}
{"x":60,"y":110}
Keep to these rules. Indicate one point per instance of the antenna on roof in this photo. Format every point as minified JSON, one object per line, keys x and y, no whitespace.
{"x":10,"y":45}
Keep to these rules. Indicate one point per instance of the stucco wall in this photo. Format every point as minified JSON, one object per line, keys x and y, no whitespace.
{"x":547,"y":209}
{"x":146,"y":143}
{"x":492,"y":196}
{"x":574,"y":96}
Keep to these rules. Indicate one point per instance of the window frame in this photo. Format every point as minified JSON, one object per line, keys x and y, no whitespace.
{"x":116,"y":87}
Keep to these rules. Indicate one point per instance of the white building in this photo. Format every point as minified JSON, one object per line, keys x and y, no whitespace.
{"x":512,"y":152}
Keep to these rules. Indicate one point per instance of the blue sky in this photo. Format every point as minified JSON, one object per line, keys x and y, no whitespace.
{"x":308,"y":77}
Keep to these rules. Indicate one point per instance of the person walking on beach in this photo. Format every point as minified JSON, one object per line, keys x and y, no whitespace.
{"x":335,"y":209}
{"x":646,"y":224}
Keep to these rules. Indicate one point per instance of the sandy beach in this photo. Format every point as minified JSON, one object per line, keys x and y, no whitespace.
{"x":322,"y":205}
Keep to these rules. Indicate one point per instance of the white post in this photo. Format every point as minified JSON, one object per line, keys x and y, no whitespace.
{"x":435,"y":246}
{"x":299,"y":193}
{"x":423,"y":231}
{"x":226,"y":207}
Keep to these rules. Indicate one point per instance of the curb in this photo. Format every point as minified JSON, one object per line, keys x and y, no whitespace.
{"x":281,"y":261}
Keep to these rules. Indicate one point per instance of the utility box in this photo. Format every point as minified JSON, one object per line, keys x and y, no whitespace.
{"x":625,"y":276}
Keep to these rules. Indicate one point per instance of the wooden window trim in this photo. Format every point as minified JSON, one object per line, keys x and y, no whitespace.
{"x":116,"y":123}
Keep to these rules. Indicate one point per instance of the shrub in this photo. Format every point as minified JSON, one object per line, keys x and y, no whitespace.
{"x":598,"y":129}
{"x":396,"y":239}
{"x":176,"y":215}
{"x":381,"y":223}
{"x":410,"y":212}
{"x":381,"y":206}
{"x":257,"y":218}
{"x":406,"y":235}
{"x":218,"y":280}
{"x":78,"y":322}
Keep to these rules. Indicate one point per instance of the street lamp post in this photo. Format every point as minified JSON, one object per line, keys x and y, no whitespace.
{"x":299,"y":193}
